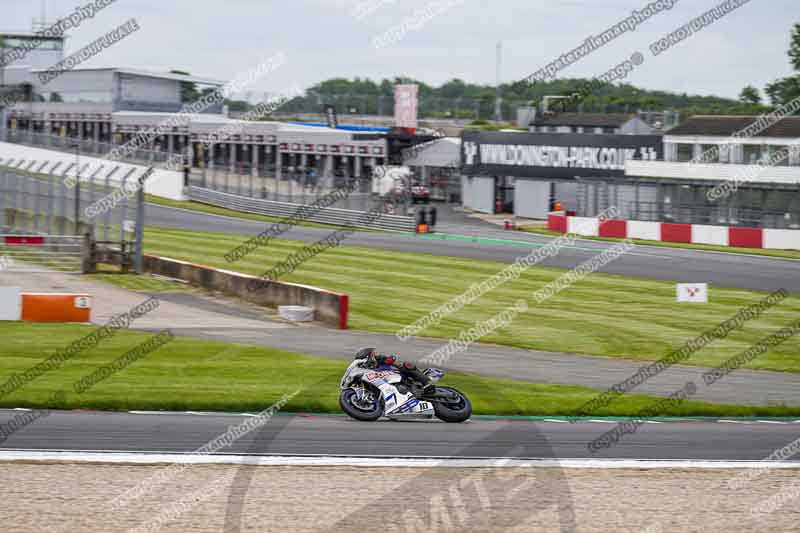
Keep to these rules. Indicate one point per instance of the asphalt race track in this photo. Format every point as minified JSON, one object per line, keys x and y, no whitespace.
{"x":669,"y":264}
{"x":339,"y":435}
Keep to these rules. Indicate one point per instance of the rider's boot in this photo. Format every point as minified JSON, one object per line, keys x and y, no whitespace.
{"x":418,"y":375}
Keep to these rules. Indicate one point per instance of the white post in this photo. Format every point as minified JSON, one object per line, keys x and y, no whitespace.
{"x":278,"y":157}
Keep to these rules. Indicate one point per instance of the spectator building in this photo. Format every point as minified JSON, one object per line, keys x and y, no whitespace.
{"x":101,"y":108}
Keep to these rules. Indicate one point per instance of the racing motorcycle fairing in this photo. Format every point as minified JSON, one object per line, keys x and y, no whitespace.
{"x":397,"y":403}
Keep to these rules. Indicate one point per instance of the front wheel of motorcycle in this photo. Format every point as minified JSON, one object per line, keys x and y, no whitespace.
{"x":349,"y":403}
{"x":453,"y":411}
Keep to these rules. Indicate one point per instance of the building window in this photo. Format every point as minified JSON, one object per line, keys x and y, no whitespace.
{"x":752,"y":153}
{"x":21,"y":42}
{"x":784,"y":155}
{"x":102,"y":97}
{"x":685,"y":152}
{"x":710,"y":153}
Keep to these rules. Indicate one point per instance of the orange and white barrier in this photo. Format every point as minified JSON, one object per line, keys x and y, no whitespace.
{"x":44,"y":307}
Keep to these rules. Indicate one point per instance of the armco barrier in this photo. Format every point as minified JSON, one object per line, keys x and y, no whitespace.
{"x":330,"y":308}
{"x":327,"y":215}
{"x":774,"y":239}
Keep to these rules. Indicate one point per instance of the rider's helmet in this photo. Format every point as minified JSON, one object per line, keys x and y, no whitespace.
{"x":367,"y":353}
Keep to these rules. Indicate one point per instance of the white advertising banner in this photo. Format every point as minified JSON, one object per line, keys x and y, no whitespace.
{"x":406,"y":105}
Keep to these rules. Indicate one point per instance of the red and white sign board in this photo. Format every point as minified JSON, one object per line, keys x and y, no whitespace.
{"x":19,"y":240}
{"x":406,"y":105}
{"x":693,"y":293}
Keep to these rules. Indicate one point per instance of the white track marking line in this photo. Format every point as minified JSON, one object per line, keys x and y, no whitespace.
{"x":188,"y":413}
{"x":378,"y":461}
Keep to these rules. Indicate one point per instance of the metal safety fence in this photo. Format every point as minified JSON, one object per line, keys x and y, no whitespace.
{"x":104,"y":207}
{"x":295,"y":186}
{"x":85,"y":147}
{"x":688,"y":204}
{"x":326,"y":215}
{"x":40,"y":253}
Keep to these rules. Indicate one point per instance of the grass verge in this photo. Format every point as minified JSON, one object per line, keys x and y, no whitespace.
{"x":789,"y":254}
{"x":189,"y":374}
{"x":608,"y":315}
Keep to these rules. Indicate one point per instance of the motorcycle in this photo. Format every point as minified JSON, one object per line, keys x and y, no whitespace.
{"x":368,"y":394}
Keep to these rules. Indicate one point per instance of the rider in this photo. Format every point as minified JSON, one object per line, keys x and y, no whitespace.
{"x":390,"y":362}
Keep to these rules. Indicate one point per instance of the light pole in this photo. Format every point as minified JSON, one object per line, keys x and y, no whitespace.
{"x":77,"y":206}
{"x":2,"y":89}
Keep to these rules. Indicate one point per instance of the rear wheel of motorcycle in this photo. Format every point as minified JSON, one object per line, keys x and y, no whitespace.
{"x":458,"y":411}
{"x":345,"y":402}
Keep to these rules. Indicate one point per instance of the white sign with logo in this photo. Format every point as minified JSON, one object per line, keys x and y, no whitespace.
{"x":83,"y":302}
{"x":554,"y":156}
{"x":693,"y":293}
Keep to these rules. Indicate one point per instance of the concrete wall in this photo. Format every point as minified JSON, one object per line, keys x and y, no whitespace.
{"x":329,"y":307}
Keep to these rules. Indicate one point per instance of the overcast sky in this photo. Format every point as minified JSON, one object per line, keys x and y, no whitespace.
{"x":324,"y":39}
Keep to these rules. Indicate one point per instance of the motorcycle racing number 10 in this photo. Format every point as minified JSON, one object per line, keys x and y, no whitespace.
{"x":368,"y":395}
